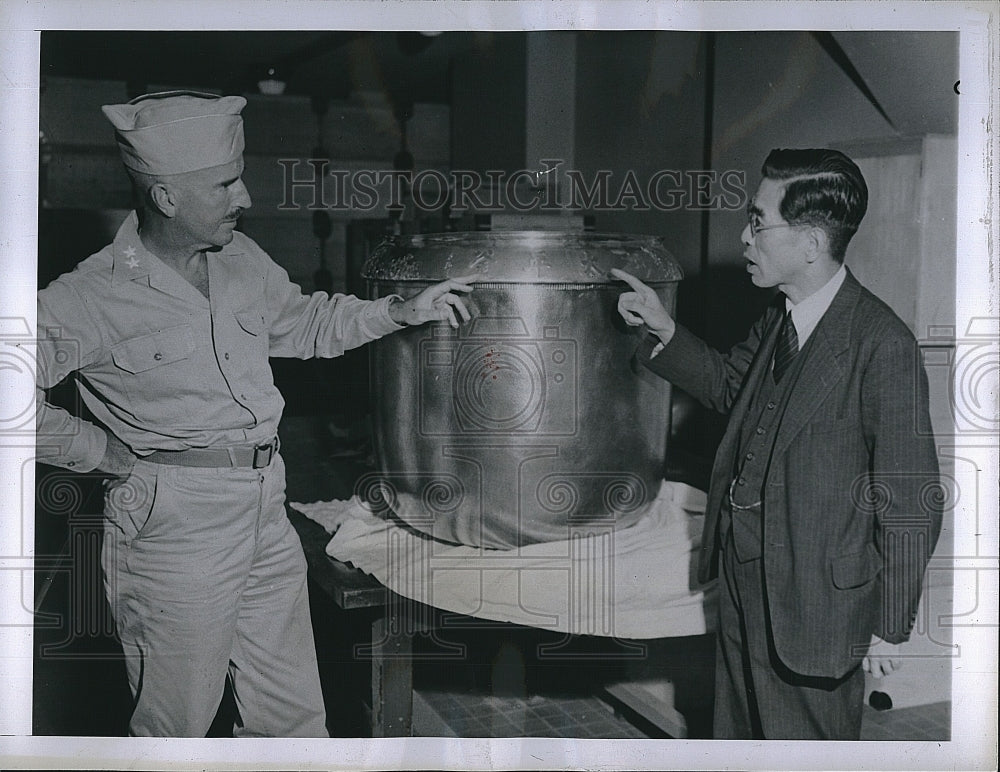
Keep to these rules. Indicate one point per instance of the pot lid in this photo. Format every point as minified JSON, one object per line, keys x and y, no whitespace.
{"x":530,"y":257}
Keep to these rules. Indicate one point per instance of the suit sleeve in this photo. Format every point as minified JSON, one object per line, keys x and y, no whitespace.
{"x":711,"y":377}
{"x":319,"y":325}
{"x":905,"y":488}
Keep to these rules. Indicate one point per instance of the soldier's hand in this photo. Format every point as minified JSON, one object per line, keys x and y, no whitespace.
{"x":643,"y":306}
{"x":118,"y":459}
{"x":436,"y":303}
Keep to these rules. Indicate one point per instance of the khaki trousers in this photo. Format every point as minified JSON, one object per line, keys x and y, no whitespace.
{"x":207,"y":580}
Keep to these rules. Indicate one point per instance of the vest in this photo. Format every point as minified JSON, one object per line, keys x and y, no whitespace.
{"x":756,"y":445}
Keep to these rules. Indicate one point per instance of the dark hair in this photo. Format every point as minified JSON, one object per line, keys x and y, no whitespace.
{"x":824,"y":188}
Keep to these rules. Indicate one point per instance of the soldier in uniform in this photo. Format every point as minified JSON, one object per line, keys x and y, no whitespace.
{"x":173,"y":323}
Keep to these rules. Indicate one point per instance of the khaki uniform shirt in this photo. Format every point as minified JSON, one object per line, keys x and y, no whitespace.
{"x":165,"y":368}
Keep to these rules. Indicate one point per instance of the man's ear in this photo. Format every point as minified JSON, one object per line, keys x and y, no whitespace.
{"x":163,"y":199}
{"x":817,"y":244}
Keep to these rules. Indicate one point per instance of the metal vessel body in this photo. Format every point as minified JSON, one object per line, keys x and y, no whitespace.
{"x":531,"y":420}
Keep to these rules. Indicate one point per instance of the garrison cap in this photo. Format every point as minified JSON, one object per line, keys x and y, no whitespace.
{"x":173,"y":132}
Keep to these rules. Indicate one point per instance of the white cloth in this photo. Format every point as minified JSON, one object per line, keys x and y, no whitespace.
{"x":638,"y":581}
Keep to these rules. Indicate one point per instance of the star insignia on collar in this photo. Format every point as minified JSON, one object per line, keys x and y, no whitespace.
{"x":130,"y":254}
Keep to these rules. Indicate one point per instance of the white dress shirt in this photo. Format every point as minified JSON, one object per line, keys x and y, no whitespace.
{"x":807,"y":312}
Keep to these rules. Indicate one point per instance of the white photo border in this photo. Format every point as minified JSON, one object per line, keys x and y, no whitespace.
{"x":974,"y":715}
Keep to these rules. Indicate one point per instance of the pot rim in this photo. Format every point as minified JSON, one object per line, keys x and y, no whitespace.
{"x":522,"y":257}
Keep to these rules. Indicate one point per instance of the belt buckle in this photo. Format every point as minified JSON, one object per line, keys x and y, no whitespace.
{"x":269,"y":448}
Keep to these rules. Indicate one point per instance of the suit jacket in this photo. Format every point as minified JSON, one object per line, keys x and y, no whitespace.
{"x":852,"y":497}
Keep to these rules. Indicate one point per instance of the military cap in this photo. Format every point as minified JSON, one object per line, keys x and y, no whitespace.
{"x":173,"y":132}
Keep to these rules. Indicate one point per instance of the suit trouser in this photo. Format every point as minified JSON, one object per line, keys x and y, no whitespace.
{"x":756,"y":695}
{"x":206,"y":579}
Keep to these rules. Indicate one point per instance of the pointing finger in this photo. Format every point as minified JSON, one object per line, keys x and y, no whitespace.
{"x":436,"y":291}
{"x":629,"y":279}
{"x":463,"y":283}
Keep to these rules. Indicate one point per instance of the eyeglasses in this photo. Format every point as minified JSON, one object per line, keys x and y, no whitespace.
{"x":756,"y":227}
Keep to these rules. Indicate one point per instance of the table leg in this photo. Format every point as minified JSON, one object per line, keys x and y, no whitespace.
{"x":392,"y":672}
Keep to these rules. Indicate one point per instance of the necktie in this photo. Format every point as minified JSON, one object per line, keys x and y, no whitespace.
{"x":787,"y":347}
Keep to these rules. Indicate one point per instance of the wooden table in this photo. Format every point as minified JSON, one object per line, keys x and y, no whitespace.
{"x":314,"y":475}
{"x":390,"y":646}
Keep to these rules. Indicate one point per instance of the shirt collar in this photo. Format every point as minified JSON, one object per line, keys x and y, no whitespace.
{"x":133,"y":262}
{"x":130,"y":259}
{"x":807,"y":312}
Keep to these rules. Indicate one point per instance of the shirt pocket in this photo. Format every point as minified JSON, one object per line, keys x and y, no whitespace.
{"x":160,"y":375}
{"x":251,"y":342}
{"x":251,"y":320}
{"x":139,"y":355}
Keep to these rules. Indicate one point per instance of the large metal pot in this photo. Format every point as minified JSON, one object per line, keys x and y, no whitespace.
{"x":532,"y":419}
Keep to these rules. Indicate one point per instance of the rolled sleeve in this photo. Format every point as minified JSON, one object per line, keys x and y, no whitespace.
{"x":376,"y":320}
{"x":320,"y":325}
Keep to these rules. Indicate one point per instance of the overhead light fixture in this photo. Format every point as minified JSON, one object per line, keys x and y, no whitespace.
{"x":271,"y":83}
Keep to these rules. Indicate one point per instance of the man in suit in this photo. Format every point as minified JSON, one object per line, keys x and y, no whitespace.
{"x":821,"y":511}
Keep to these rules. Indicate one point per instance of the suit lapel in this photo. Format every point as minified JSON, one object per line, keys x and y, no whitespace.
{"x":823,"y":366}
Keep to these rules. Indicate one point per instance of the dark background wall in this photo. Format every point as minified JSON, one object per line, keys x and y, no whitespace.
{"x":644,"y":101}
{"x":615,"y":103}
